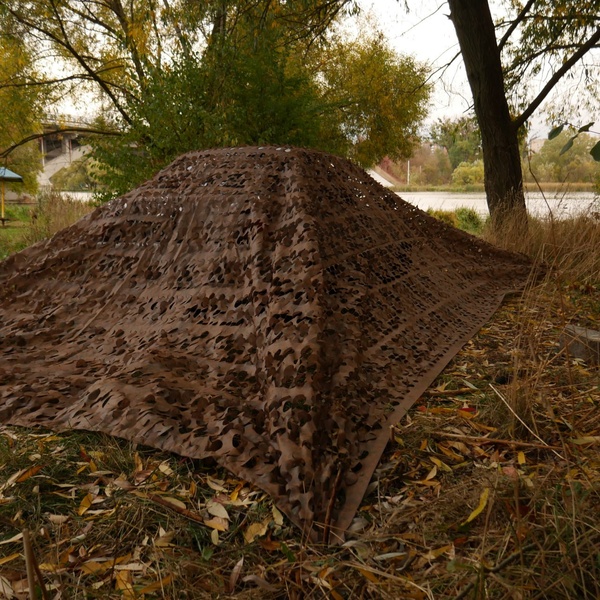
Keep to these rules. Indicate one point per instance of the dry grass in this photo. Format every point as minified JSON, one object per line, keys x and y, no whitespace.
{"x":54,"y":211}
{"x":28,"y":224}
{"x":490,"y":487}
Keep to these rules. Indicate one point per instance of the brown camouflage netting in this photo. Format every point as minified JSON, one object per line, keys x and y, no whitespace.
{"x":273,"y":308}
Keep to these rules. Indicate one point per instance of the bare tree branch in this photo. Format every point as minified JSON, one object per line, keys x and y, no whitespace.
{"x":564,"y":69}
{"x":37,"y":136}
{"x":518,"y":20}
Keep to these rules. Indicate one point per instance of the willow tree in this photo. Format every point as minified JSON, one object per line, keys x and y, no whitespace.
{"x":149,"y":63}
{"x":179,"y":76}
{"x":537,"y":39}
{"x":20,"y":110}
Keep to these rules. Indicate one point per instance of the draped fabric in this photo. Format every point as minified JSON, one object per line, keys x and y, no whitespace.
{"x":275,"y":309}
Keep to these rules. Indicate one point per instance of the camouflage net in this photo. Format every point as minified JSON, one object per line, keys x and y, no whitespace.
{"x":273,"y":308}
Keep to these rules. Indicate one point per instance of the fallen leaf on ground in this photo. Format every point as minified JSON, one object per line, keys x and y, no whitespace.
{"x":156,"y":586}
{"x":13,"y":539}
{"x":7,"y":559}
{"x":256,"y":530}
{"x":235,"y":574}
{"x":482,"y":504}
{"x":217,"y":523}
{"x":29,"y":473}
{"x":85,"y":504}
{"x":217,"y":510}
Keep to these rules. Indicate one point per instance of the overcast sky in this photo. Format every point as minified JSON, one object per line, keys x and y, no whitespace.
{"x":427,"y":33}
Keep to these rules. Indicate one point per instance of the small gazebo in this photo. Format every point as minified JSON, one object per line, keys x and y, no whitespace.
{"x":7,"y":175}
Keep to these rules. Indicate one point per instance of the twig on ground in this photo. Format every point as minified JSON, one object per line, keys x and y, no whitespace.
{"x":184,"y":512}
{"x":487,"y":440}
{"x":458,"y":392}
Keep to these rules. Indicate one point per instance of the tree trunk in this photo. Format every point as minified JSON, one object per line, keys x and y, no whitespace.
{"x":502,"y":163}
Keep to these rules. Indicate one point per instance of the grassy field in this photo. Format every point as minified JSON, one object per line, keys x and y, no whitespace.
{"x":489,"y":487}
{"x":30,"y":223}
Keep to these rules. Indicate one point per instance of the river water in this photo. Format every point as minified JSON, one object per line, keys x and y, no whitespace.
{"x":562,"y":204}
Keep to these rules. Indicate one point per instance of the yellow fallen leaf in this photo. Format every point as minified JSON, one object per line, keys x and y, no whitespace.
{"x":82,"y":468}
{"x":368,"y":575}
{"x":450,"y":454}
{"x":482,"y":504}
{"x":215,"y":484}
{"x":93,"y":566}
{"x":465,"y":414}
{"x":164,"y":539}
{"x":234,"y":495}
{"x":100,"y":566}
{"x":123,"y":582}
{"x":589,"y":439}
{"x":428,"y":482}
{"x":7,"y":559}
{"x":431,"y":474}
{"x":217,"y":510}
{"x":49,"y":567}
{"x":156,"y":586}
{"x":165,"y":468}
{"x":521,"y":457}
{"x":85,"y":504}
{"x":173,"y":501}
{"x":214,"y":537}
{"x":29,"y":473}
{"x":437,"y":552}
{"x":277,"y":516}
{"x":217,"y":523}
{"x":440,"y":464}
{"x":139,"y":465}
{"x":256,"y":530}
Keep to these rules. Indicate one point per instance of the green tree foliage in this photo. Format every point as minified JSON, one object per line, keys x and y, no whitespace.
{"x":553,"y":164}
{"x":468,"y":173}
{"x":246,"y":92}
{"x":19,"y":112}
{"x":379,"y":98}
{"x":181,"y":76}
{"x":460,"y":137}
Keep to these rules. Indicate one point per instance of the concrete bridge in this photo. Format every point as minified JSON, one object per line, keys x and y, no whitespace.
{"x":59,"y":150}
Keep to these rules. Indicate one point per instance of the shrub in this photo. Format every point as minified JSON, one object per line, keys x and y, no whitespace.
{"x":469,"y":220}
{"x":468,"y":173}
{"x":447,"y":216}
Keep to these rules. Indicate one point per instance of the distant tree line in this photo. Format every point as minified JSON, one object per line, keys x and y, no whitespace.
{"x":451,"y":155}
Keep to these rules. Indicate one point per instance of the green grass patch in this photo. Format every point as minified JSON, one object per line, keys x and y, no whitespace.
{"x":466,"y":219}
